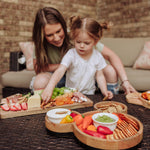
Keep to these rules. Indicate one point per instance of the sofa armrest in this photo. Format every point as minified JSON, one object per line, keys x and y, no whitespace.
{"x":14,"y":64}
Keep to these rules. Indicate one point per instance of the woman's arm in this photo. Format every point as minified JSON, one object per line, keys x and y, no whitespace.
{"x":118,"y":66}
{"x":51,"y":67}
{"x":55,"y":78}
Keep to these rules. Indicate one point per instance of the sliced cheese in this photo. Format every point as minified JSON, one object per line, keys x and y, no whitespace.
{"x":34,"y":101}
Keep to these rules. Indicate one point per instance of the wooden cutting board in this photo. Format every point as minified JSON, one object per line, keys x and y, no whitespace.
{"x":135,"y":98}
{"x":11,"y":114}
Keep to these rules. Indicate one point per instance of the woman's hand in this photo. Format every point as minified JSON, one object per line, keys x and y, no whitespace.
{"x":127,"y":87}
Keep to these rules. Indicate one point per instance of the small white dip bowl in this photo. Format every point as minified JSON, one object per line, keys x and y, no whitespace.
{"x":56,"y":115}
{"x":111,"y":125}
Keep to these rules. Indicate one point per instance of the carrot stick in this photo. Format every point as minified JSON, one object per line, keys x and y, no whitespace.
{"x":87,"y":121}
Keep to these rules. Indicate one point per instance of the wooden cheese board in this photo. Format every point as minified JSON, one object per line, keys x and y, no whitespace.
{"x":98,"y":142}
{"x":135,"y":98}
{"x":38,"y":110}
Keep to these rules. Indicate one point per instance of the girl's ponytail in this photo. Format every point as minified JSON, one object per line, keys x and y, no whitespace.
{"x":106,"y":25}
{"x":74,"y":22}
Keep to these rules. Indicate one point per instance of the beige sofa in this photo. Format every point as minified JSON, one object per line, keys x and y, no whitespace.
{"x":127,"y":49}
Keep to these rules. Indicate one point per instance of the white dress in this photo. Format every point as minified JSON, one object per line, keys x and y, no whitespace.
{"x":81,"y":73}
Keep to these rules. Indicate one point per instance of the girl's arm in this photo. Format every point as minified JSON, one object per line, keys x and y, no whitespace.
{"x":55,"y":78}
{"x":102,"y":84}
{"x":118,"y":66}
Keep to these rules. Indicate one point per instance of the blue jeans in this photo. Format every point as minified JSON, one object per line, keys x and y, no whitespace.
{"x":114,"y":88}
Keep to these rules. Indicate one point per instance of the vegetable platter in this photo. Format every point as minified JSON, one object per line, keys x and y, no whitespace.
{"x":128,"y":132}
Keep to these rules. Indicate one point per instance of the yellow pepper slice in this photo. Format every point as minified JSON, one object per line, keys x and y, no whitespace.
{"x":67,"y":119}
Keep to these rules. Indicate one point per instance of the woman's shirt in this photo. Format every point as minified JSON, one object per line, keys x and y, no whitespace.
{"x":81,"y":73}
{"x":54,"y":53}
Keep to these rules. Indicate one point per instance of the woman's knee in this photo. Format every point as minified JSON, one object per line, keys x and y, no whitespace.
{"x":41,"y":80}
{"x":110,"y":74}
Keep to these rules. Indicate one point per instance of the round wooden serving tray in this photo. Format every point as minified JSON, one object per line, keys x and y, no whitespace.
{"x":122,"y":108}
{"x":60,"y":128}
{"x":110,"y":144}
{"x":95,"y":141}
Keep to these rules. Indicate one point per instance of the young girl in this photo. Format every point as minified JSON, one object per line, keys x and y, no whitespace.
{"x":83,"y":63}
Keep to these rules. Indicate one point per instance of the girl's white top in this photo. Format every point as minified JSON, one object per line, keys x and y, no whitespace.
{"x":81,"y":73}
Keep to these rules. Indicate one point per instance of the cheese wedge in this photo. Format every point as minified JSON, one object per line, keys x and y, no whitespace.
{"x":34,"y":101}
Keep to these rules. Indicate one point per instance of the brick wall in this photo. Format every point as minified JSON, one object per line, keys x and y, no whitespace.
{"x":131,"y":18}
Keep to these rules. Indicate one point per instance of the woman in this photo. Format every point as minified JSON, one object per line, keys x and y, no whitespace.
{"x":51,"y":43}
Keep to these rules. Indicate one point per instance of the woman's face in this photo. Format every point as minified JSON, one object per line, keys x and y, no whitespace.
{"x":54,"y":34}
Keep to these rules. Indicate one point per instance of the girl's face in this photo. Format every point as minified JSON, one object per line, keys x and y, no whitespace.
{"x":84,"y":44}
{"x":54,"y":34}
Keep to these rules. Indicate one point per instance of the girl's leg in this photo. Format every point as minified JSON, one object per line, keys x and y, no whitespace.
{"x":111,"y":79}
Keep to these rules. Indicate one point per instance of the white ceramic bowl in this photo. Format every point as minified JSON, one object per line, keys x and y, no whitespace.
{"x":111,"y":125}
{"x":56,"y":115}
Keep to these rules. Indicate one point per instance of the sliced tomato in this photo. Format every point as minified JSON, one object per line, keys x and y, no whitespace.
{"x":12,"y":107}
{"x":5,"y":107}
{"x":24,"y":106}
{"x":17,"y":106}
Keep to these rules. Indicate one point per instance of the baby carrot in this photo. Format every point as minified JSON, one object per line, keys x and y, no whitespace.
{"x":78,"y":119}
{"x":87,"y":121}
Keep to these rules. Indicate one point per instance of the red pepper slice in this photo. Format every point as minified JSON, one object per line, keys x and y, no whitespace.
{"x":95,"y":134}
{"x":104,"y":130}
{"x":73,"y":114}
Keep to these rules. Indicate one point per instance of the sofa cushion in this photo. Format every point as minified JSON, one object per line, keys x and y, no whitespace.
{"x":127,"y":49}
{"x":27,"y":48}
{"x":17,"y":79}
{"x":143,"y":61}
{"x":139,"y":78}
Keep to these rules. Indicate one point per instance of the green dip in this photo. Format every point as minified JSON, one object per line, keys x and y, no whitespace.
{"x":104,"y":119}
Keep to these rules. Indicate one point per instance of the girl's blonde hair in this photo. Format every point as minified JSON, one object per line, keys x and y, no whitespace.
{"x":91,"y":26}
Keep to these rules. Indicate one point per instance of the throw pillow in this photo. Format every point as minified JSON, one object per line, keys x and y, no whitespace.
{"x":143,"y":61}
{"x":27,"y":48}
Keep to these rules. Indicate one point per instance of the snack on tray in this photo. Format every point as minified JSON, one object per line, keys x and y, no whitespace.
{"x":61,"y":96}
{"x":146,"y":95}
{"x":70,"y":96}
{"x":34,"y":101}
{"x":110,"y":107}
{"x":16,"y":102}
{"x":126,"y":127}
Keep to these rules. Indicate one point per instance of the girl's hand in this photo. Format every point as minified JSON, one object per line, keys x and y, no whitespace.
{"x":108,"y":95}
{"x":46,"y":95}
